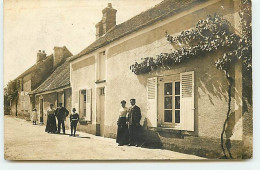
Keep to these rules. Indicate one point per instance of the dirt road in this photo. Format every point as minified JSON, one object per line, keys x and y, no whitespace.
{"x":24,"y":141}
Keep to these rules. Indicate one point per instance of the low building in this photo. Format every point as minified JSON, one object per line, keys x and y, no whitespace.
{"x":183,"y":108}
{"x":34,"y":76}
{"x":55,"y":89}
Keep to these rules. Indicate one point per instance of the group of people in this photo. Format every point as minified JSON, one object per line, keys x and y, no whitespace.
{"x":60,"y":113}
{"x":128,"y":132}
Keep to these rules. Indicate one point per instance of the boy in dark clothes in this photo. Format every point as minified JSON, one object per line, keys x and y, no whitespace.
{"x":74,"y":118}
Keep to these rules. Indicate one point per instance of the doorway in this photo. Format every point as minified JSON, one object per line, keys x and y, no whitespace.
{"x":41,"y":111}
{"x":101,"y":110}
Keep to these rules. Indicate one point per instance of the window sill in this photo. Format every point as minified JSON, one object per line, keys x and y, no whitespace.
{"x":168,"y":129}
{"x":174,"y":131}
{"x":100,"y":81}
{"x":168,"y":132}
{"x":170,"y":126}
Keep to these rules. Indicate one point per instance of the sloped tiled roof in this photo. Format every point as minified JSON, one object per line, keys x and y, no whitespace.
{"x":159,"y":12}
{"x":29,"y":70}
{"x":32,"y":68}
{"x":58,"y":79}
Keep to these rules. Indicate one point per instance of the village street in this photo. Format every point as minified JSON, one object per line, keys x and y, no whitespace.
{"x":24,"y":141}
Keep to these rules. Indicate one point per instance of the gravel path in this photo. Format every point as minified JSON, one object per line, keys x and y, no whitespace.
{"x":24,"y":141}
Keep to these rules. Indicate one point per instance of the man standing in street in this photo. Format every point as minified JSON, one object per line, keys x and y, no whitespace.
{"x":134,"y":117}
{"x":61,"y":114}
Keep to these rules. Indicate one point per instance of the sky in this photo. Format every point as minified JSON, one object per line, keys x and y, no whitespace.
{"x":32,"y":25}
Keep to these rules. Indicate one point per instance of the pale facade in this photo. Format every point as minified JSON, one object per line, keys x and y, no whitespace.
{"x":182,"y":107}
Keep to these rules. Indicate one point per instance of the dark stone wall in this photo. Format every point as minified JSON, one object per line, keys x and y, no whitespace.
{"x":60,"y":55}
{"x":42,"y":71}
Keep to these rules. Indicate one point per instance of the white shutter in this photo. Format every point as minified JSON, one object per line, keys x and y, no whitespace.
{"x":88,"y":105}
{"x":76,"y":100}
{"x":152,"y":100}
{"x":187,"y":101}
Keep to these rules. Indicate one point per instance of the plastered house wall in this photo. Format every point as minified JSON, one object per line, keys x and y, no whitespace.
{"x":211,"y":85}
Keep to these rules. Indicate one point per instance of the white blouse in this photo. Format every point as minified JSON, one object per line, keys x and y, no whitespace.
{"x":123,"y":111}
{"x":50,"y":111}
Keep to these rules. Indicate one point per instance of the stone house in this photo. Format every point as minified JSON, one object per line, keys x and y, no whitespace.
{"x":55,"y":89}
{"x":183,"y":108}
{"x":34,"y":76}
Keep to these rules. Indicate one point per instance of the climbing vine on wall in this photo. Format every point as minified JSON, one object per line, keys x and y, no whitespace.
{"x":209,"y":35}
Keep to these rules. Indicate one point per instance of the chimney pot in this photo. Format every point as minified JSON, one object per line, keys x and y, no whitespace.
{"x":108,"y":21}
{"x":41,"y":55}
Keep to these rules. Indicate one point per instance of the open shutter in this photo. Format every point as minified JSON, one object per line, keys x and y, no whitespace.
{"x":187,"y":101}
{"x":88,"y":105}
{"x":152,"y":100}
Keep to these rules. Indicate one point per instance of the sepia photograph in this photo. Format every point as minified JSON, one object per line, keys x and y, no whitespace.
{"x":127,"y":80}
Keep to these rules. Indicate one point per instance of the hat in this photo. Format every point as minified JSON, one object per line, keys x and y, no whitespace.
{"x":132,"y":99}
{"x":123,"y":101}
{"x":74,"y":109}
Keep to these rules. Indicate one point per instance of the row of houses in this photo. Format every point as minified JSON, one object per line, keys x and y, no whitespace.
{"x":95,"y":80}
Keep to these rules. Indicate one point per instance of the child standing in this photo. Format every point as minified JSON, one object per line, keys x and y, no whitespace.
{"x":34,"y":116}
{"x":74,"y":118}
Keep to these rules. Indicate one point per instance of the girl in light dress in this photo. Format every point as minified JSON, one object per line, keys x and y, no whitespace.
{"x":34,"y":116}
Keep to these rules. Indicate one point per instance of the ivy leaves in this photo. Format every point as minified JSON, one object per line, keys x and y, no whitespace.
{"x":208,"y":35}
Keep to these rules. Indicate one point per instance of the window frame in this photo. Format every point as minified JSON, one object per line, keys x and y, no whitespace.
{"x":179,"y":95}
{"x":172,"y":124}
{"x":170,"y":78}
{"x":101,"y":56}
{"x":84,"y":109}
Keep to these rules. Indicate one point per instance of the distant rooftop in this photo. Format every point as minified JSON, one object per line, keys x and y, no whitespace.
{"x":58,"y":79}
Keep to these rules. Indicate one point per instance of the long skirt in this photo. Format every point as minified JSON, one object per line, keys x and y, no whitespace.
{"x":51,"y":124}
{"x":122,"y":132}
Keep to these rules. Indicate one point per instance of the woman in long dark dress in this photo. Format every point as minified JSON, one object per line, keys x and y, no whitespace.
{"x":51,"y":120}
{"x":122,"y":130}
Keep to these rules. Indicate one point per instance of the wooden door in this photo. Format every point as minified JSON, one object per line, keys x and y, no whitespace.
{"x":41,"y":110}
{"x":102,"y":110}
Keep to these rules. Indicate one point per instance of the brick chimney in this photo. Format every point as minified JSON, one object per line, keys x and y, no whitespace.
{"x":108,"y":21}
{"x":41,"y":55}
{"x":99,"y":29}
{"x":60,"y":55}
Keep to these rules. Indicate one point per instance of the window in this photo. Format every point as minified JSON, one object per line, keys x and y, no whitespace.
{"x":102,"y":66}
{"x":85,"y":101}
{"x":83,"y":98}
{"x":177,"y":101}
{"x":89,"y":105}
{"x":170,"y":101}
{"x":102,"y":91}
{"x":60,"y":99}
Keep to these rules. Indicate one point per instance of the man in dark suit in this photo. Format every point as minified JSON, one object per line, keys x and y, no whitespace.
{"x":134,"y":117}
{"x":61,"y":114}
